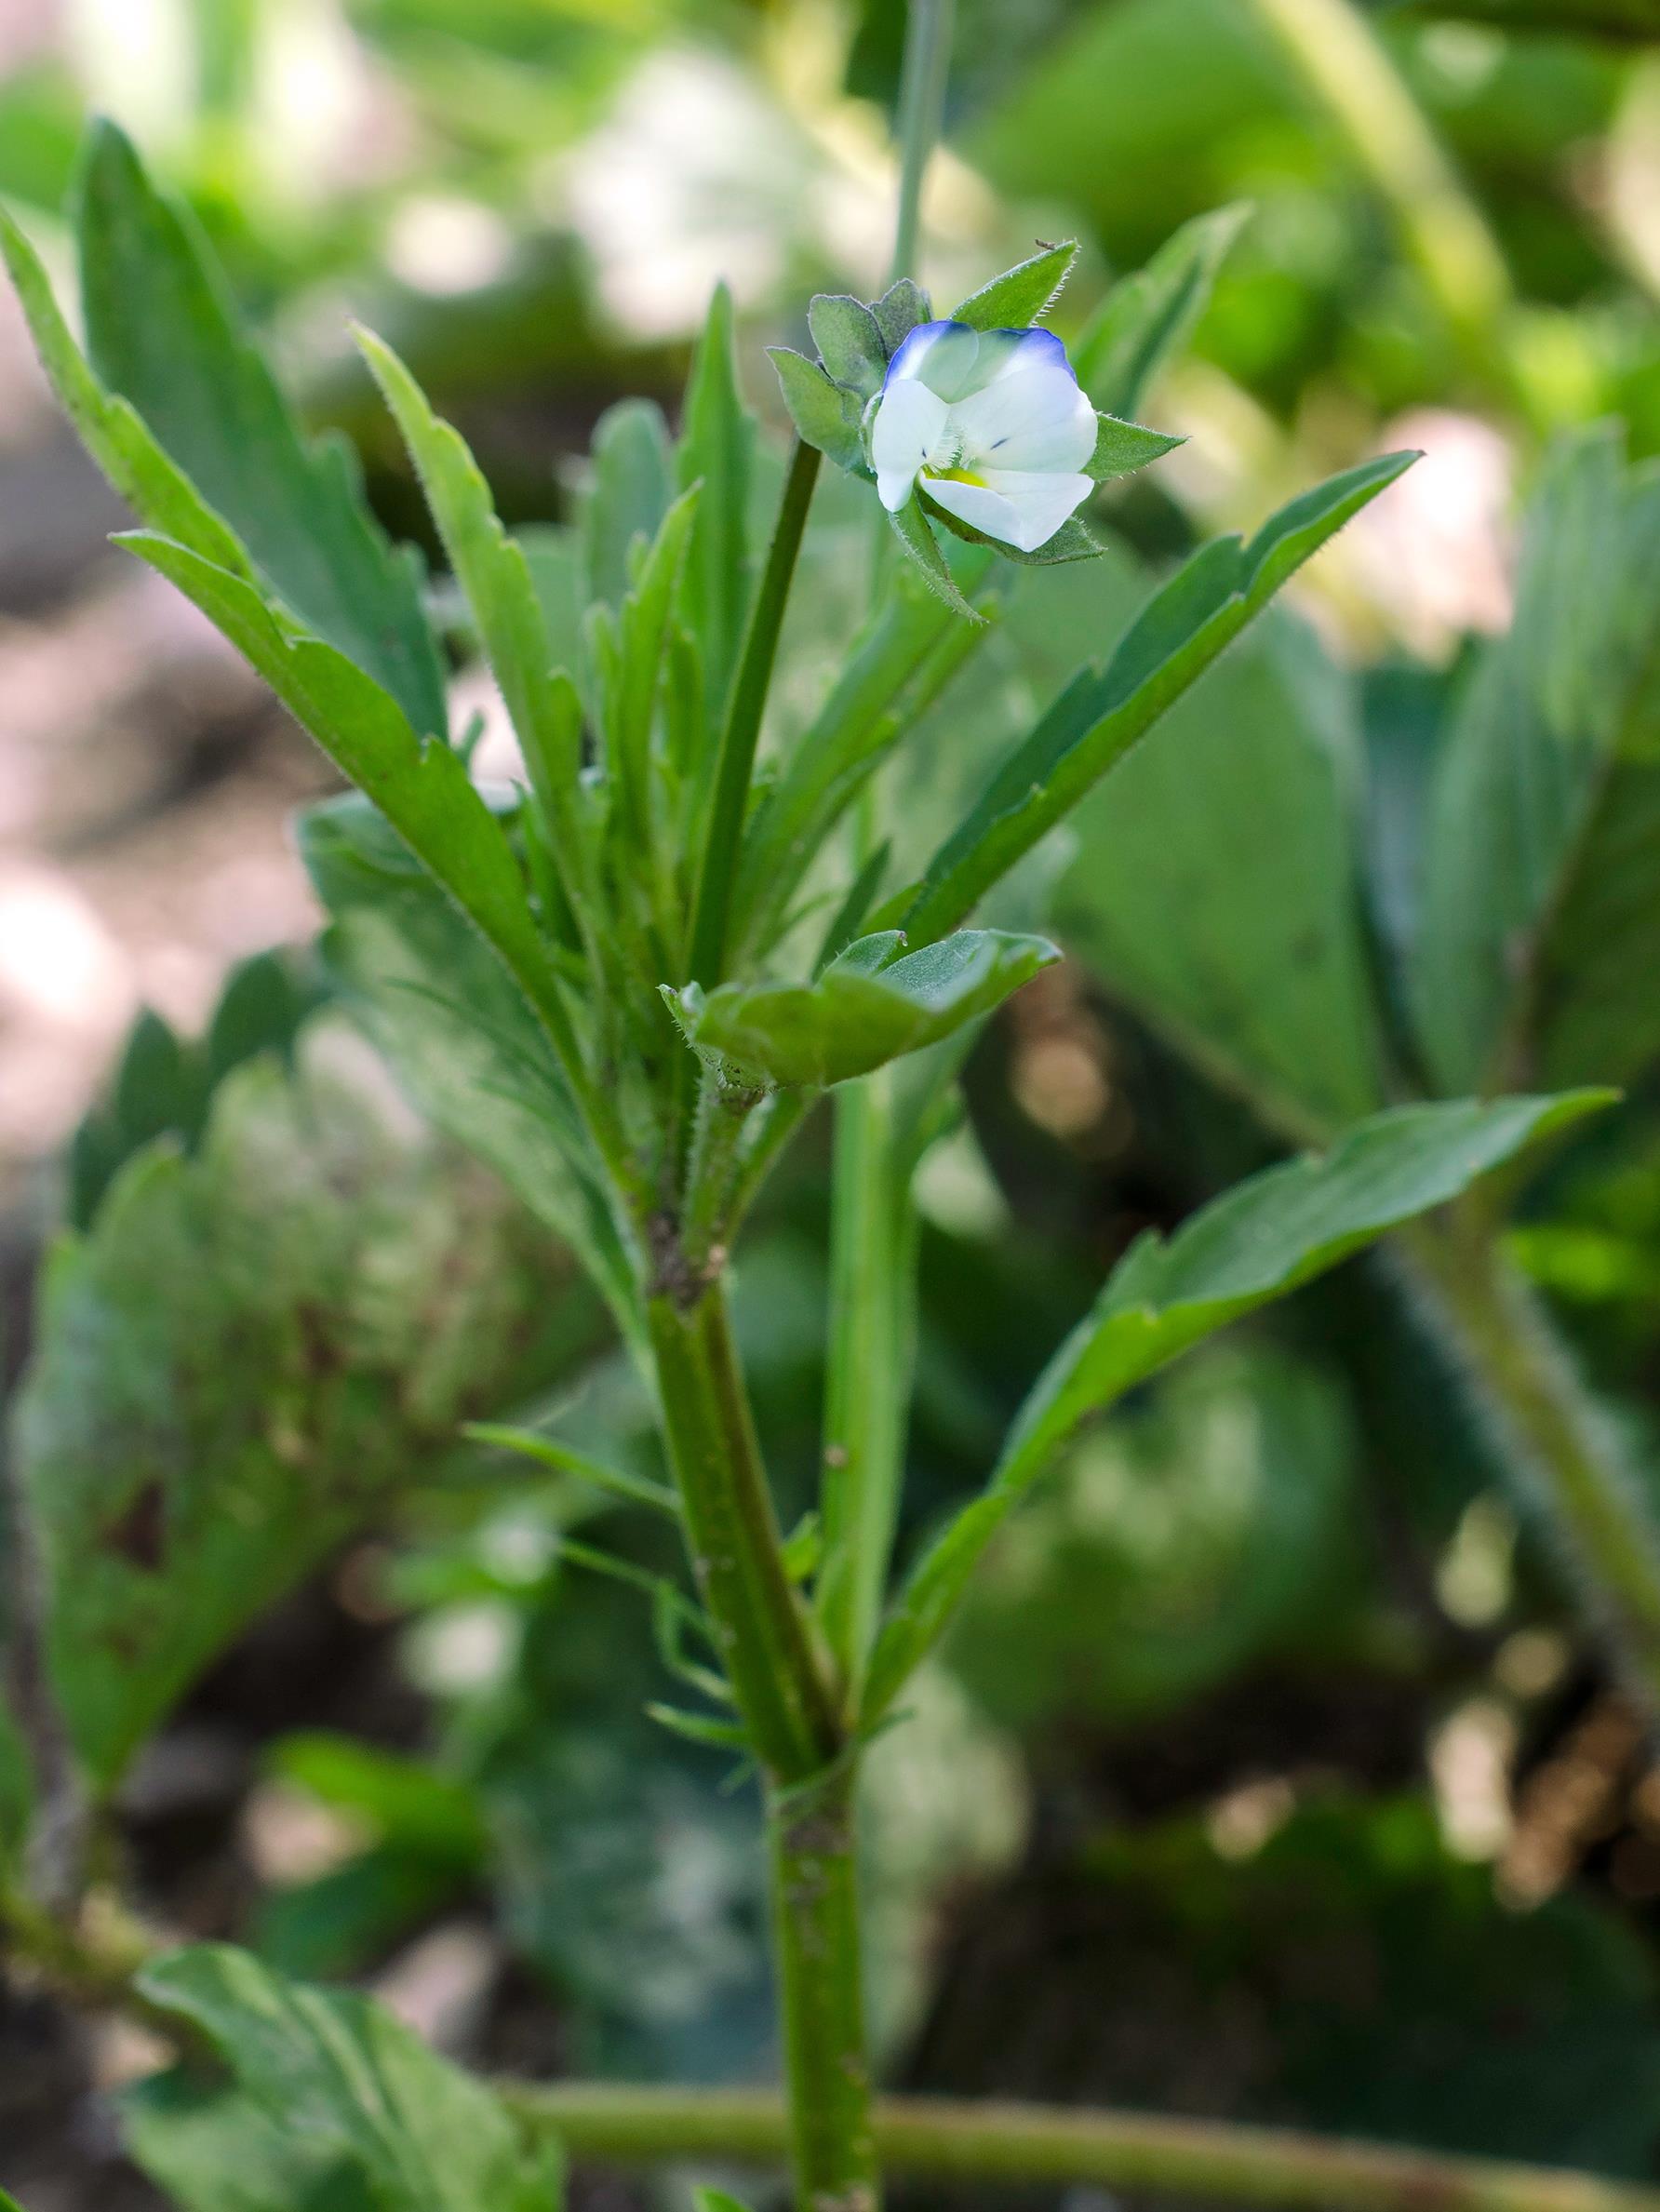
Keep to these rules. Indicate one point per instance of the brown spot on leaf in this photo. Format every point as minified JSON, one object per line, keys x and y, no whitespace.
{"x":141,"y":1534}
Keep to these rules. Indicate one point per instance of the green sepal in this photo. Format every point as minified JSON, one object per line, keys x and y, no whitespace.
{"x":850,"y":341}
{"x":1022,"y":295}
{"x":1121,"y":447}
{"x":899,"y":311}
{"x":824,"y":413}
{"x":910,"y":526}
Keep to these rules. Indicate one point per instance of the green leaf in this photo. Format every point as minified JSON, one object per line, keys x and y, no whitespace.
{"x":163,"y":1085}
{"x":1539,"y":927}
{"x":1211,"y":1522}
{"x":1103,"y":712}
{"x":161,"y":331}
{"x":854,"y":730}
{"x":1121,"y":447}
{"x":1147,"y":319}
{"x":283,"y":1331}
{"x":825,"y":415}
{"x":910,"y":526}
{"x":1022,"y":295}
{"x":423,"y":790}
{"x":1247,"y":952}
{"x":632,"y":485}
{"x":867,"y":1008}
{"x":111,"y":429}
{"x":457,"y":1031}
{"x":615,"y":1482}
{"x":495,"y":577}
{"x":361,"y":2104}
{"x":850,"y":341}
{"x":1260,"y":1240}
{"x":717,"y":450}
{"x":899,"y":311}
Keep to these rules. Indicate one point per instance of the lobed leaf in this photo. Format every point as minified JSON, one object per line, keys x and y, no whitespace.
{"x":1022,"y":295}
{"x":1103,"y":711}
{"x":1265,"y":1238}
{"x":281,"y":1330}
{"x":330,"y":2100}
{"x":163,"y":333}
{"x":868,"y":1007}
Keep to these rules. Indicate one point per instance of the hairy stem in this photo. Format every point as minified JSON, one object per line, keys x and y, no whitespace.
{"x":867,"y":1373}
{"x":1023,"y":2143}
{"x":1565,"y":1451}
{"x":737,"y":1551}
{"x":815,"y":1919}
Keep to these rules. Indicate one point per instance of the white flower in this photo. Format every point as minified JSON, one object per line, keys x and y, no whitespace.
{"x":991,"y":425}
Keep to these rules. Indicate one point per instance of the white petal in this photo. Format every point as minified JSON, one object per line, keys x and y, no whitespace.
{"x":1039,"y":499}
{"x":1037,"y":419}
{"x":913,"y":349}
{"x":909,"y":420}
{"x":972,"y":503}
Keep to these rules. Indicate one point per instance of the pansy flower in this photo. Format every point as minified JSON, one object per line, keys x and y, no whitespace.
{"x":976,"y":423}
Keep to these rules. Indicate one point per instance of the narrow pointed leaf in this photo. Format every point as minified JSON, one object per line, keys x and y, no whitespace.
{"x":1265,"y":1238}
{"x":493,"y":573}
{"x":716,"y":451}
{"x":629,"y":495}
{"x":1022,"y":295}
{"x":162,"y":331}
{"x":867,"y":1008}
{"x":422,"y":790}
{"x":1147,"y":317}
{"x":111,"y":428}
{"x":530,"y":1443}
{"x":1103,"y":712}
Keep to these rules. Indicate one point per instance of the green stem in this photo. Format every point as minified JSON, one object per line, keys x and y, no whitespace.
{"x":1566,"y":1454}
{"x":923,"y":73}
{"x":872,"y":1301}
{"x":1022,"y":2143}
{"x":765,"y":1636}
{"x":815,"y":1919}
{"x":735,"y":764}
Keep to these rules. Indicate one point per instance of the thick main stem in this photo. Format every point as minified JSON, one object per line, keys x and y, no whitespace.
{"x":813,"y":1855}
{"x":1023,"y":2143}
{"x":788,"y":1708}
{"x":737,"y":1551}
